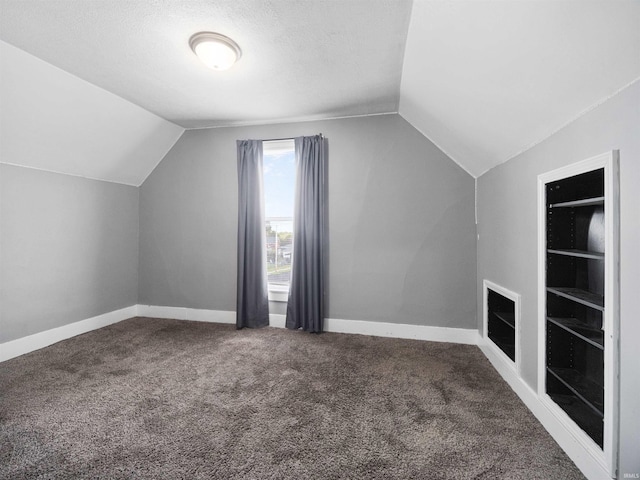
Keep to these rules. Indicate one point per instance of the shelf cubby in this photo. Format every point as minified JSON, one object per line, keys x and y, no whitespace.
{"x":589,"y":299}
{"x":575,"y":259}
{"x":580,"y":413}
{"x":586,"y":390}
{"x":579,"y":295}
{"x":501,"y":322}
{"x":507,"y":317}
{"x":576,"y":327}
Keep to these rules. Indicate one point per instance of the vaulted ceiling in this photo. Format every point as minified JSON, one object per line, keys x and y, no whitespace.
{"x":486,"y":80}
{"x":483,"y":80}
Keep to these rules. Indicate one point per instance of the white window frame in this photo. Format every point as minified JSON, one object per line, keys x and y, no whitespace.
{"x":277,"y":292}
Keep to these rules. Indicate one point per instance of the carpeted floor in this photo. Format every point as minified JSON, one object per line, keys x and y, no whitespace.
{"x":165,"y":399}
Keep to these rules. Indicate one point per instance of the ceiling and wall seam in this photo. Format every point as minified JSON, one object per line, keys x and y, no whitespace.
{"x":68,"y":174}
{"x":566,"y":124}
{"x":487,"y":80}
{"x":475,"y":186}
{"x":439,"y":147}
{"x":162,"y":158}
{"x":95,"y":178}
{"x":53,"y":120}
{"x":403,"y":54}
{"x":532,"y":70}
{"x":293,"y":120}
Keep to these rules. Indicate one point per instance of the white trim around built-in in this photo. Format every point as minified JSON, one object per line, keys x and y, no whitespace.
{"x":606,"y":457}
{"x":588,"y":465}
{"x":515,"y":298}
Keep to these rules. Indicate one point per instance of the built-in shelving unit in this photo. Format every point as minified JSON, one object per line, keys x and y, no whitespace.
{"x":501,"y":310}
{"x":579,"y":315}
{"x":575,"y":365}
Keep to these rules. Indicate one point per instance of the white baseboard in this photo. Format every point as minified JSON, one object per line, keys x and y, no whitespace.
{"x":39,"y":340}
{"x":336,"y":325}
{"x":20,"y":346}
{"x":393,"y":330}
{"x":181,"y":313}
{"x":588,"y":465}
{"x":403,"y":330}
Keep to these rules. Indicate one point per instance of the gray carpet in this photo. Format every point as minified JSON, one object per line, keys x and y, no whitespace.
{"x":165,"y":399}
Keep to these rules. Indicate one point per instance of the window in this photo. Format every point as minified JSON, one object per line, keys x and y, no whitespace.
{"x":279,"y":172}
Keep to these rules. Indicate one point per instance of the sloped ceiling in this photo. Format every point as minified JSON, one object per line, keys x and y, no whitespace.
{"x":485,"y":80}
{"x":51,"y":120}
{"x":301,"y":59}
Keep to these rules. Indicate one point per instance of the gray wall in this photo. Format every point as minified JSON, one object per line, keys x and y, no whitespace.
{"x":401,"y":221}
{"x":69,"y":249}
{"x":507,"y":245}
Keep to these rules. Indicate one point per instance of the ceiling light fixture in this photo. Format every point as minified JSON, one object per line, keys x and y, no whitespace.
{"x":215,"y":50}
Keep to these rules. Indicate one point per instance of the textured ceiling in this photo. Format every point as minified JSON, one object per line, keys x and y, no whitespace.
{"x":486,"y":80}
{"x":301,"y":59}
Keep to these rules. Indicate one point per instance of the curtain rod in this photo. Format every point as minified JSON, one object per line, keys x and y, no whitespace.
{"x":281,"y":139}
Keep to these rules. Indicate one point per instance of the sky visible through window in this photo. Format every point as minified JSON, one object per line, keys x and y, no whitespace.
{"x":279,"y":175}
{"x":279,"y":181}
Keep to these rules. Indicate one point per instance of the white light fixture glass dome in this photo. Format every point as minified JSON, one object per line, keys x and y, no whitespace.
{"x":215,"y":50}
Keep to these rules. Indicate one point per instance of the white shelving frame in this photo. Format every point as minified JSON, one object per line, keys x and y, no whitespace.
{"x":515,"y":298}
{"x":607,"y":456}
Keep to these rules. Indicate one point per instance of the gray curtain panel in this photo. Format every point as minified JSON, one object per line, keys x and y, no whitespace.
{"x":252,"y":309}
{"x":305,"y":307}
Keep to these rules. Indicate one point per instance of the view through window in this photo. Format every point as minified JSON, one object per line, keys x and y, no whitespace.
{"x":279,"y":170}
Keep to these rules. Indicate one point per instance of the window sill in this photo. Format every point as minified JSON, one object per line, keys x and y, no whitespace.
{"x":278,"y":293}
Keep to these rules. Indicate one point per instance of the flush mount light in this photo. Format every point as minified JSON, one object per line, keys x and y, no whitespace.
{"x":215,"y":50}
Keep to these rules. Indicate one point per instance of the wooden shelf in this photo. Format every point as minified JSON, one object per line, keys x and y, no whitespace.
{"x":577,"y":361}
{"x":593,"y":336}
{"x":587,"y":202}
{"x":505,"y":345}
{"x":507,"y":317}
{"x":581,"y":414}
{"x":589,"y":392}
{"x":572,"y":252}
{"x":578,"y":295}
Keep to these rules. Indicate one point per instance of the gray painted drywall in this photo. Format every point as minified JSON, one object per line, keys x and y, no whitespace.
{"x":69,"y":249}
{"x":507,"y":245}
{"x":401,"y":223}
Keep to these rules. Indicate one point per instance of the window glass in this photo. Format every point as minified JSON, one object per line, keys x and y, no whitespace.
{"x":279,"y":172}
